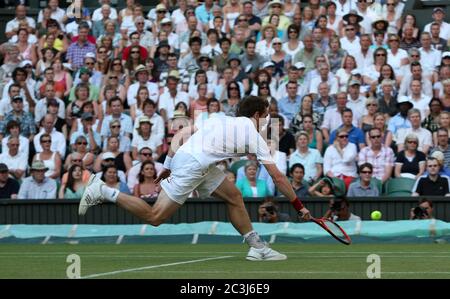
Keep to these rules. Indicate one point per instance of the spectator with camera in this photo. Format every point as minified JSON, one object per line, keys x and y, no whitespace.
{"x":424,"y":210}
{"x":432,"y":184}
{"x":339,"y":210}
{"x":268,"y":212}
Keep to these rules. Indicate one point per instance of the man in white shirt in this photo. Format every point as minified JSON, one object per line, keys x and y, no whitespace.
{"x":438,"y":17}
{"x":343,"y":7}
{"x":356,"y":101}
{"x":56,"y":12}
{"x":142,"y":73}
{"x":424,"y":136}
{"x":16,"y":162}
{"x":97,"y":15}
{"x":116,"y":106}
{"x":416,"y":74}
{"x":193,"y":167}
{"x":333,"y":117}
{"x":58,"y":139}
{"x":364,"y":58}
{"x":21,"y":15}
{"x":350,"y":42}
{"x":418,"y":99}
{"x":324,"y":76}
{"x":430,"y":58}
{"x":169,"y":99}
{"x":41,"y":107}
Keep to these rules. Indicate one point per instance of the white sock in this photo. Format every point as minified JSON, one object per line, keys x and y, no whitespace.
{"x":110,"y":194}
{"x":253,"y":240}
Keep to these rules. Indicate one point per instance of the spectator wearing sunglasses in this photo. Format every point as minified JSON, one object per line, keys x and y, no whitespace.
{"x":378,"y":156}
{"x":364,"y":186}
{"x":340,"y":156}
{"x":145,"y":154}
{"x":410,"y":162}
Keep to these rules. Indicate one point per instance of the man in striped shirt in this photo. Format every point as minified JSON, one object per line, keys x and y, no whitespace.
{"x":380,"y":156}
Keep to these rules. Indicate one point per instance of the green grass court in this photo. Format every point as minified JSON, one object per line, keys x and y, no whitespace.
{"x":204,"y":261}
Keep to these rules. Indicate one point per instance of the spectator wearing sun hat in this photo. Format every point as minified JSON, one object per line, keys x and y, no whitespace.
{"x":277,"y":7}
{"x":141,"y":74}
{"x":37,"y":186}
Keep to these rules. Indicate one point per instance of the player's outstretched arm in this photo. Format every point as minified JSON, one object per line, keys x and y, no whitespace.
{"x":285,"y":188}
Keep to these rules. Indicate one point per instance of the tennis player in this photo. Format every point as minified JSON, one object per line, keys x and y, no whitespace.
{"x":193,"y":167}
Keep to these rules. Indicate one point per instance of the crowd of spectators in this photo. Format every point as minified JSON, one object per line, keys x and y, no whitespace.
{"x":360,"y":92}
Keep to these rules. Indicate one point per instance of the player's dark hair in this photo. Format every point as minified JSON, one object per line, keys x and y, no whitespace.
{"x":250,"y":105}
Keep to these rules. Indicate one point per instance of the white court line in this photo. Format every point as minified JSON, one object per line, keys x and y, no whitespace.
{"x":153,"y":267}
{"x":299,"y":252}
{"x":184,"y":255}
{"x":295,"y":272}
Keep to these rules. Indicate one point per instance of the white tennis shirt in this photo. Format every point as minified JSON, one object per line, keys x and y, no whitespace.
{"x":225,"y":137}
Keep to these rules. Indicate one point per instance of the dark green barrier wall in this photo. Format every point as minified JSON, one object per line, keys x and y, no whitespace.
{"x":196,"y":210}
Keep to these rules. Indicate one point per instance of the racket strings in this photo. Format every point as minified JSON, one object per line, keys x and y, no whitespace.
{"x":334,"y":228}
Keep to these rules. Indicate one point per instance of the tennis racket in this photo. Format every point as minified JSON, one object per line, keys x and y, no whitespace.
{"x":333,"y":229}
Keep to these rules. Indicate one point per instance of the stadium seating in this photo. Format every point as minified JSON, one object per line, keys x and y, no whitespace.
{"x":399,"y":186}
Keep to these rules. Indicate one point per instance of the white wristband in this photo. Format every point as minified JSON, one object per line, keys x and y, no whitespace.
{"x":167,"y":162}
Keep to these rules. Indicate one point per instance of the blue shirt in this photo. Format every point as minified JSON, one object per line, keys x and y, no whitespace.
{"x":125,"y":121}
{"x":203,"y":15}
{"x":398,"y":122}
{"x":288,"y":107}
{"x":355,"y":135}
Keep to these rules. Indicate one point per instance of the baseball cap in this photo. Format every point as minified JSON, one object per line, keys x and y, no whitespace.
{"x":276,"y":40}
{"x":86,"y":116}
{"x":85,"y":70}
{"x":268,"y":64}
{"x":108,"y":155}
{"x":17,"y":98}
{"x":25,"y":63}
{"x":299,"y":65}
{"x":354,"y":82}
{"x":436,"y":9}
{"x":89,"y":55}
{"x":3,"y":167}
{"x":446,"y":55}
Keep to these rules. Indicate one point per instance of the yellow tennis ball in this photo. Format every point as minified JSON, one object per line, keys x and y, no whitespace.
{"x":376,"y":215}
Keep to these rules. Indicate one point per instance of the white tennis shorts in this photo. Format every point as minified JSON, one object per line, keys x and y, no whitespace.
{"x":188,"y":175}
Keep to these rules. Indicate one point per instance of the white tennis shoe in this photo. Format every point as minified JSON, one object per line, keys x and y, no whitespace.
{"x":92,"y":195}
{"x":265,"y":254}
